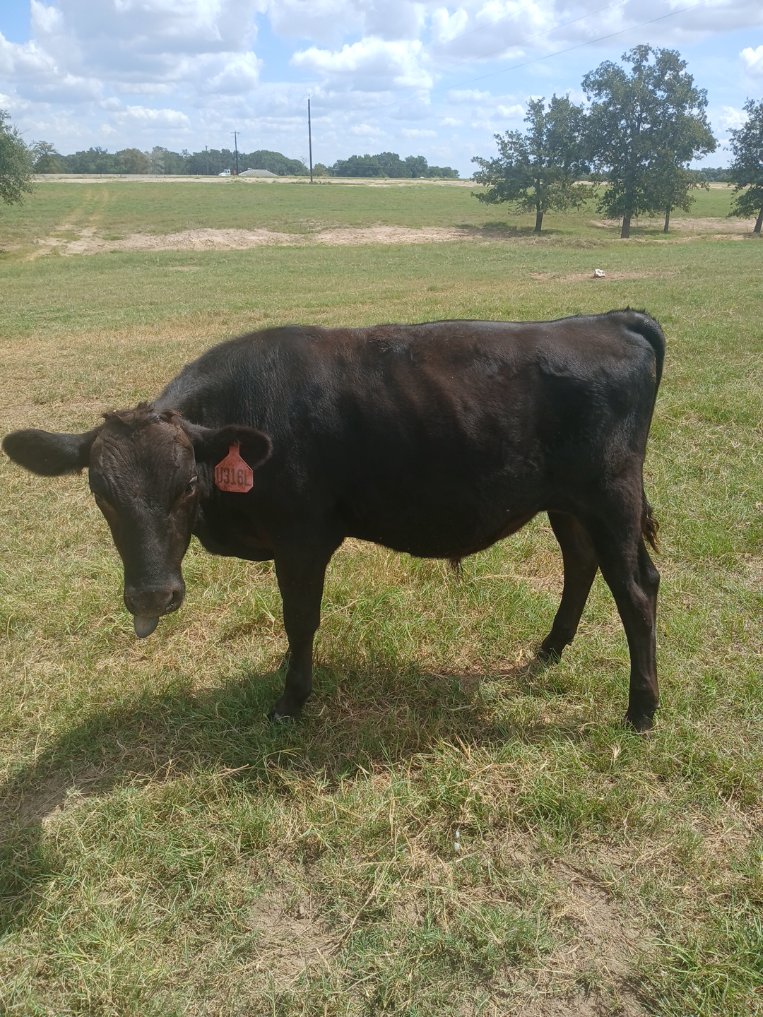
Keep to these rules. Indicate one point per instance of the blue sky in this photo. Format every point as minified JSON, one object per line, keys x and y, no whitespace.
{"x":419,"y":77}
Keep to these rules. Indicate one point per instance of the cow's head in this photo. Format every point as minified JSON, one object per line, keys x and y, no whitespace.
{"x":147,"y":471}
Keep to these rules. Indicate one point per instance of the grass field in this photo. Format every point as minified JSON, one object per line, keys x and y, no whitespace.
{"x":165,"y":851}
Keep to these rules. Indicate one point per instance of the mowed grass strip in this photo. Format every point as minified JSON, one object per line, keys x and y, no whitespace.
{"x":449,"y":830}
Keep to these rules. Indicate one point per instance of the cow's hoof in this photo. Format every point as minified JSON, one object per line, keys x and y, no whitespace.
{"x":640,"y":722}
{"x":547,"y":655}
{"x":283,"y":712}
{"x":277,"y":716}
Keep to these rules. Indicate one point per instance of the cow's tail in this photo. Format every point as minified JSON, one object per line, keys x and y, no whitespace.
{"x":649,"y":524}
{"x":646,"y":326}
{"x":651,"y":331}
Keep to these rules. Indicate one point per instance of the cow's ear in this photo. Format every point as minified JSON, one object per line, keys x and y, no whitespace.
{"x":48,"y":453}
{"x":210,"y":445}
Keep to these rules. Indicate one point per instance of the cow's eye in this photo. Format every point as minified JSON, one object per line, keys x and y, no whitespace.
{"x":187,"y":492}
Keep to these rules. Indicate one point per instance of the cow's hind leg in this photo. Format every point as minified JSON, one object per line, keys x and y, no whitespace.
{"x":634,"y":581}
{"x":580,"y":567}
{"x":301,"y":574}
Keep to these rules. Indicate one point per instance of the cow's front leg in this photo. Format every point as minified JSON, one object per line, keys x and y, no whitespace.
{"x":300,"y":580}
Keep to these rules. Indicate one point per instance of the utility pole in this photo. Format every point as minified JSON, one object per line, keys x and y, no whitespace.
{"x":235,"y":145}
{"x":310,"y":138}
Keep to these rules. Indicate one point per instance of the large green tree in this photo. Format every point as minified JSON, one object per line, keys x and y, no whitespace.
{"x":46,"y":158}
{"x":132,"y":161}
{"x":685,"y":135}
{"x":673,"y":187}
{"x":746,"y":171}
{"x":537,"y":170}
{"x":15,"y":163}
{"x":645,"y":124}
{"x":92,"y":160}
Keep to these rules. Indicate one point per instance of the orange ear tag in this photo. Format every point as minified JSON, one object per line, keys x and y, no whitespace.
{"x":233,"y":474}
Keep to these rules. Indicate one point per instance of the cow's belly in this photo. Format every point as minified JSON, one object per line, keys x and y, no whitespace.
{"x":444,"y":530}
{"x":443,"y":545}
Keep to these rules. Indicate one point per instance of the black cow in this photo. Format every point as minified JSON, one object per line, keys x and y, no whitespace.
{"x":436,"y":439}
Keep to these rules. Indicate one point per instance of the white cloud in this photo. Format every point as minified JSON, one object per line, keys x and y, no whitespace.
{"x":516,"y":111}
{"x":38,"y":75}
{"x":394,"y":19}
{"x":418,"y":132}
{"x":753,"y":58}
{"x":140,"y":39}
{"x":446,"y":26}
{"x":45,"y":20}
{"x":491,"y":28}
{"x":372,"y":63}
{"x":332,"y":21}
{"x":520,"y":29}
{"x":365,"y":131}
{"x":710,"y":16}
{"x":24,"y":60}
{"x":732,"y":118}
{"x":238,"y":72}
{"x":324,"y":21}
{"x":153,"y":117}
{"x":469,"y":95}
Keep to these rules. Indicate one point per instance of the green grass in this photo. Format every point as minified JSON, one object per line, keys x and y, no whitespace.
{"x":164,"y":850}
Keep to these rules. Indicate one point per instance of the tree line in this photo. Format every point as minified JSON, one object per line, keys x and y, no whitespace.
{"x":387,"y":164}
{"x":644,"y":123}
{"x":214,"y":161}
{"x":208,"y":162}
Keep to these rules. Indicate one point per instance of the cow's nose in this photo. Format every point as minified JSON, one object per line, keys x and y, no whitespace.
{"x":154,"y":601}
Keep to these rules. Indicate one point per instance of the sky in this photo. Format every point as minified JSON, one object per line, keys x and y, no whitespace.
{"x":437,"y":78}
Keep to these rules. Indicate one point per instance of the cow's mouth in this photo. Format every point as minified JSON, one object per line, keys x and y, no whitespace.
{"x":155,"y":605}
{"x":145,"y":624}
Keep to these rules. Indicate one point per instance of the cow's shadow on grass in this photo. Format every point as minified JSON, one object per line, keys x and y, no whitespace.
{"x":358,"y":717}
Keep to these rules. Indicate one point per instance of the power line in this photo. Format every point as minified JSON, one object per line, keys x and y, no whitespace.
{"x":588,"y":14}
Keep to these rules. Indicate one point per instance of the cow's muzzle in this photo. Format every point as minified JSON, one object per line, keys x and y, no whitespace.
{"x":149,"y":604}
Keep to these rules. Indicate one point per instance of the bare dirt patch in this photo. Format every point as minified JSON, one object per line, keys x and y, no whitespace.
{"x":608,"y":275}
{"x":71,"y":240}
{"x":88,"y":241}
{"x":291,"y":942}
{"x":594,"y":972}
{"x":719,"y":227}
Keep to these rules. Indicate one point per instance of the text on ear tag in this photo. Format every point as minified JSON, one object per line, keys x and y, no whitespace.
{"x":234,"y":474}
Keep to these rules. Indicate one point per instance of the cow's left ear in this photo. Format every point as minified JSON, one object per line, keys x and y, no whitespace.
{"x":210,"y":444}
